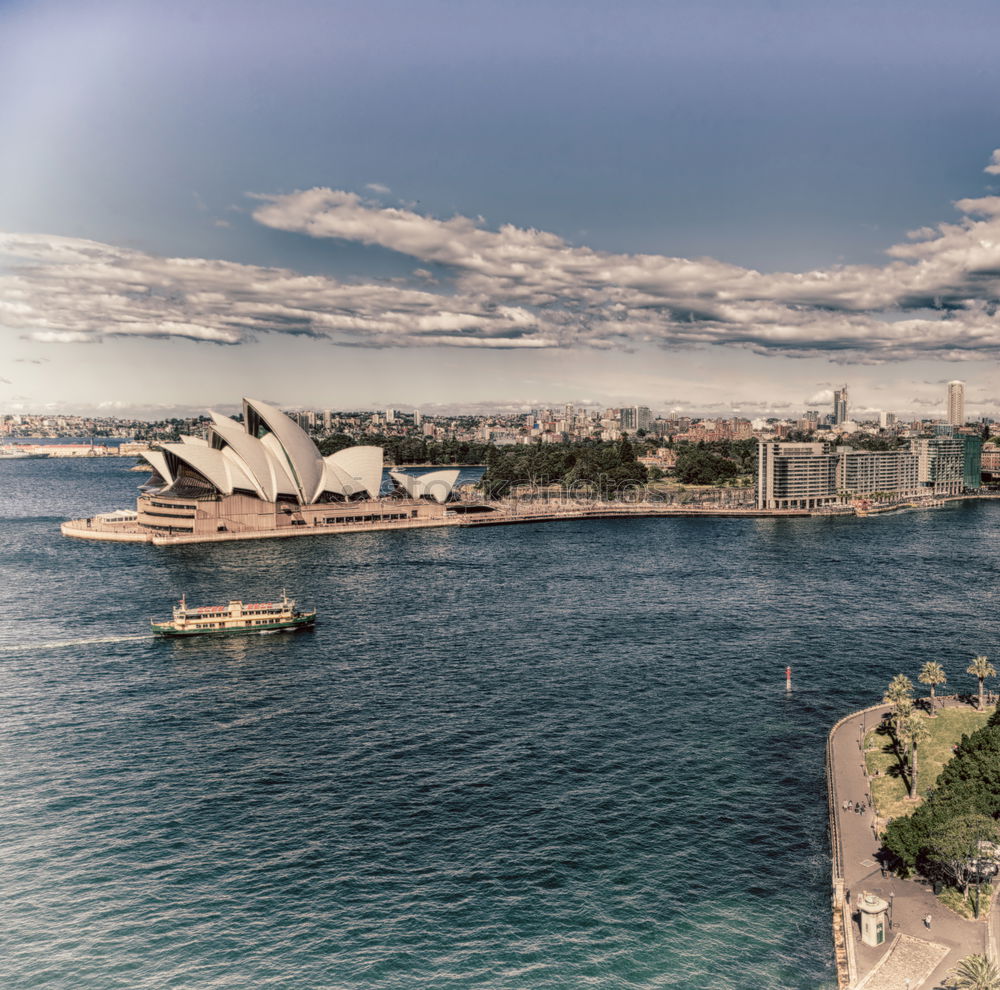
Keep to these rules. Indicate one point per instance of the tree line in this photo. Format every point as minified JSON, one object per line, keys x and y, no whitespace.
{"x":603,"y":465}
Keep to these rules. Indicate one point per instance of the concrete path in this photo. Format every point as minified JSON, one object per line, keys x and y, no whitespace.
{"x":911,"y":901}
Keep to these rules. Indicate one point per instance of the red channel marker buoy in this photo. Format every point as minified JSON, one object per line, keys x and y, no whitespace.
{"x":788,"y":678}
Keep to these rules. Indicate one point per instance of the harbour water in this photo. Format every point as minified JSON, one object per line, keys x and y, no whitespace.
{"x":549,"y":756}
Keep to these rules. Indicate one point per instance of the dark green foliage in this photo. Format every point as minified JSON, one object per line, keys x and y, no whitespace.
{"x":338,"y":441}
{"x":703,"y":467}
{"x":994,"y":719}
{"x":969,"y":784}
{"x":605,"y":467}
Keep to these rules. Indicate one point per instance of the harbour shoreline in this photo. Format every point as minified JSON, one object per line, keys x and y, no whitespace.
{"x":100,"y":528}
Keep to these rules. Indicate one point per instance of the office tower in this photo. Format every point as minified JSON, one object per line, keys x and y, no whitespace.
{"x":417,"y":417}
{"x":629,"y":418}
{"x":886,"y":419}
{"x":956,"y":403}
{"x":390,"y":415}
{"x":839,"y":406}
{"x":643,"y":418}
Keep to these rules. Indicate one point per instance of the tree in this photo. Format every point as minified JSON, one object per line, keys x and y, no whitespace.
{"x":899,"y":694}
{"x":952,"y":849}
{"x":932,"y":674}
{"x":981,"y":668}
{"x":912,"y":732}
{"x":975,"y":973}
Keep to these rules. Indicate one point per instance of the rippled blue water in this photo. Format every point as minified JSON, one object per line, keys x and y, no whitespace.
{"x":550,"y":756}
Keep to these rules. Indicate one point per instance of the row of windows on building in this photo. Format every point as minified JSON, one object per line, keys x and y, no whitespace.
{"x":806,"y":475}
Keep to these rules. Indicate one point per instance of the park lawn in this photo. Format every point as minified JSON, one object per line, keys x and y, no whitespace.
{"x":888,"y":785}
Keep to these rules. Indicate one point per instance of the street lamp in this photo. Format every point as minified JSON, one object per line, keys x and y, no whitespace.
{"x":892,"y":895}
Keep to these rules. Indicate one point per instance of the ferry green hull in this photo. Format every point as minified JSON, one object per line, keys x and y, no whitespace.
{"x":299,"y":622}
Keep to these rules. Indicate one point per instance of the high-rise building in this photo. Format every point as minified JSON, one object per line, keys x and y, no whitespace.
{"x":390,"y":415}
{"x":643,"y":418}
{"x":839,"y":406}
{"x":417,"y":417}
{"x":949,"y":464}
{"x":886,"y":419}
{"x":629,"y":418}
{"x":866,"y":472}
{"x":956,"y":403}
{"x":795,"y":475}
{"x":327,"y":420}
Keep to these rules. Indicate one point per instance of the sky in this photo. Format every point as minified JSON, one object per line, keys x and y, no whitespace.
{"x":707,"y":207}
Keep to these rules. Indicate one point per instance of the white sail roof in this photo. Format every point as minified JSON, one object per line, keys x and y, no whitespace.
{"x":269,"y":454}
{"x":304,"y":460}
{"x":363,"y":464}
{"x":158,"y":462}
{"x":225,"y":473}
{"x":437,"y":485}
{"x":267,"y":471}
{"x":337,"y":481}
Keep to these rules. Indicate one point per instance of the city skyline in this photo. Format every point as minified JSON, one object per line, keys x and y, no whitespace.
{"x":711,"y":209}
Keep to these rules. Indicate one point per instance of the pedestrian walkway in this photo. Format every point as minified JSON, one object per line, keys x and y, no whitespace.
{"x":912,"y":902}
{"x":908,"y":963}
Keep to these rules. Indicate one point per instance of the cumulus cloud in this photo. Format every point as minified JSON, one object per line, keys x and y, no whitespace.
{"x":936,"y":296}
{"x":67,"y":290}
{"x":510,"y":287}
{"x":994,"y":166}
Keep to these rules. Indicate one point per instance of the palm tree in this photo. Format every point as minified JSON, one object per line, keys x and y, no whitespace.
{"x":912,"y":732}
{"x":899,"y":694}
{"x":932,"y":674}
{"x":975,"y":973}
{"x":981,"y":668}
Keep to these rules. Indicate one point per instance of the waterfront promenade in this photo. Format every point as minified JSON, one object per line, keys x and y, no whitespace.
{"x":912,"y":951}
{"x":109,"y":528}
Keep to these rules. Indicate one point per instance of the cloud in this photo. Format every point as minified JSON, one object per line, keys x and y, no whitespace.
{"x":936,"y":296}
{"x":67,"y":290}
{"x":994,"y":166}
{"x":377,"y":187}
{"x":5,"y":381}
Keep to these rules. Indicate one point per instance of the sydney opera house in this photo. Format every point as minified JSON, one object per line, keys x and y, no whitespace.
{"x":266,"y":474}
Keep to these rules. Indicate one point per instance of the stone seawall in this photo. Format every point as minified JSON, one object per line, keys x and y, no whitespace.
{"x":97,"y":529}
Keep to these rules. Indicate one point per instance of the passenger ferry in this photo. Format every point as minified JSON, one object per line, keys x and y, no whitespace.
{"x":236,"y":617}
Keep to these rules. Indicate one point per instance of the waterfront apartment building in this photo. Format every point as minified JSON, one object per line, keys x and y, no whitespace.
{"x":956,"y":403}
{"x":795,"y":475}
{"x":870,"y":472}
{"x":949,"y":465}
{"x":808,"y":475}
